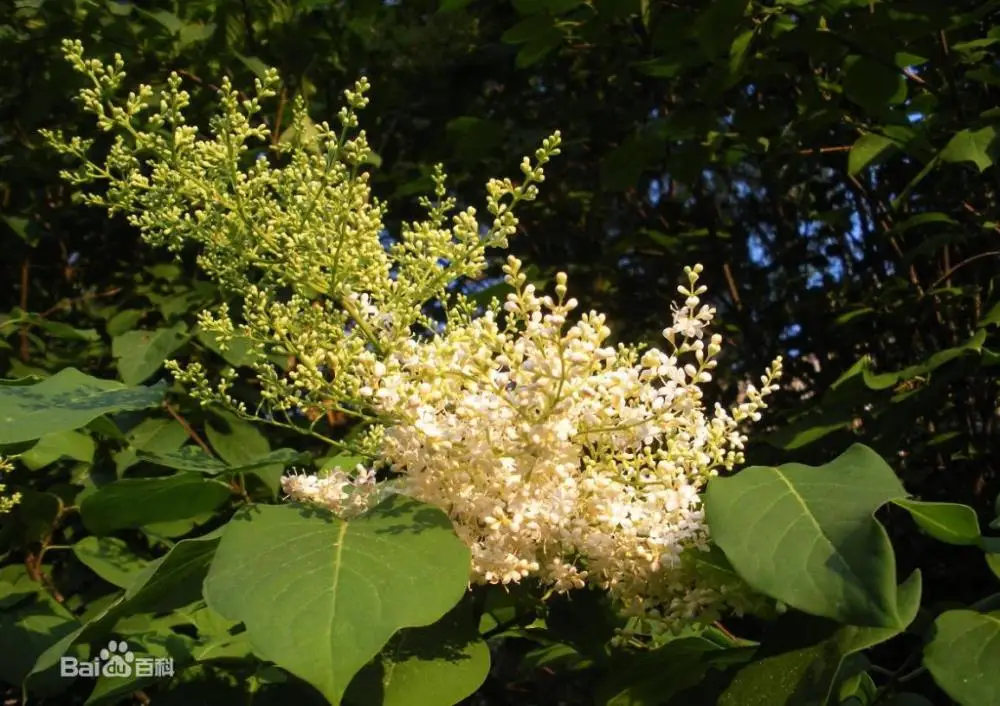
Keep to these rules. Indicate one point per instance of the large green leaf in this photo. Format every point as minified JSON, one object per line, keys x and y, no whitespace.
{"x":236,"y":440}
{"x":193,"y":458}
{"x":438,"y":665}
{"x":141,"y":353}
{"x":801,"y":656}
{"x":173,"y":581}
{"x":882,"y":381}
{"x":134,"y":502}
{"x":50,"y":448}
{"x":241,"y":444}
{"x":161,"y":643}
{"x":110,"y":558}
{"x":976,"y":146}
{"x":321,"y":596}
{"x":67,"y":400}
{"x":807,"y":536}
{"x":946,"y":522}
{"x":963,"y":656}
{"x":991,"y":546}
{"x":150,"y":436}
{"x":31,"y":621}
{"x":655,"y":677}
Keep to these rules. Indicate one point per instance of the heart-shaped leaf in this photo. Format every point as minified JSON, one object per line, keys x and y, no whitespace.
{"x":807,"y":536}
{"x":321,"y":596}
{"x":963,"y":655}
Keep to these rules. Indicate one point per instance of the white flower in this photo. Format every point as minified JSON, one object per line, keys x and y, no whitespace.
{"x":567,"y":460}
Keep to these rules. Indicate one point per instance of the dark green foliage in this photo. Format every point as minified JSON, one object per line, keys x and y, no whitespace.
{"x":830,"y":162}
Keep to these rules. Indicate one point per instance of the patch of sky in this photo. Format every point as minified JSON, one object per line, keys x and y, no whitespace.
{"x":789,"y":333}
{"x":757,"y":251}
{"x":655,"y":192}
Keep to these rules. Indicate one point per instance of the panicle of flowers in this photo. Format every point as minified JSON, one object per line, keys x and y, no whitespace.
{"x":561,"y":458}
{"x":7,"y":502}
{"x":288,"y":227}
{"x":557,"y":456}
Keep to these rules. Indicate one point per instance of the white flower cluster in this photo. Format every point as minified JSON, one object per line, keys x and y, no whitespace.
{"x":345,"y":495}
{"x":560,"y":458}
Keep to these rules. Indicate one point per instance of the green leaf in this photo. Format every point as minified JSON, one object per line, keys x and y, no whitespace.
{"x":67,"y":400}
{"x":714,"y":27}
{"x":976,"y":146}
{"x":168,"y":20}
{"x":946,"y":522}
{"x":25,"y":229}
{"x":963,"y":655}
{"x":258,"y":67}
{"x":866,"y":150}
{"x":922,"y":219}
{"x":236,"y":440}
{"x":141,"y":353}
{"x":55,"y":328}
{"x":738,"y":52}
{"x":195,"y":32}
{"x":993,"y":561}
{"x":32,"y":519}
{"x":536,"y":49}
{"x":882,"y":381}
{"x":801,"y":656}
{"x":110,"y":558}
{"x":807,"y":536}
{"x":452,"y":5}
{"x":991,"y":318}
{"x":192,"y":458}
{"x":160,"y":643}
{"x":658,"y":675}
{"x":164,"y":585}
{"x":528,"y":29}
{"x":29,"y":627}
{"x":659,"y":68}
{"x":187,"y":458}
{"x":872,"y":84}
{"x":344,"y":462}
{"x":134,"y":502}
{"x":344,"y":586}
{"x":154,"y":436}
{"x":53,"y":447}
{"x":123,"y":321}
{"x":239,"y":351}
{"x":991,"y":547}
{"x":812,"y":426}
{"x":438,"y":665}
{"x":116,"y":7}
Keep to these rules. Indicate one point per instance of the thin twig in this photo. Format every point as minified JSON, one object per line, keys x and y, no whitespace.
{"x":189,"y":429}
{"x":963,"y":263}
{"x":66,"y":303}
{"x":827,"y":150}
{"x":731,"y":282}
